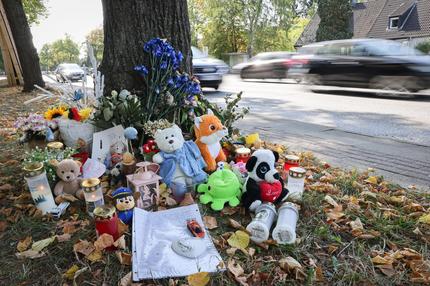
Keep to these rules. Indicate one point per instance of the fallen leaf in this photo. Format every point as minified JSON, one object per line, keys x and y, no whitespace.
{"x":425,"y":219}
{"x":171,"y":202}
{"x":104,"y":241}
{"x":229,"y":211}
{"x":381,"y":260}
{"x":85,"y":247}
{"x":289,"y":264}
{"x":210,"y":222}
{"x":24,"y":244}
{"x":64,"y":237}
{"x":29,"y":254}
{"x":251,"y":251}
{"x":239,"y":239}
{"x":6,"y":187}
{"x":70,"y":229}
{"x":95,"y":256}
{"x":357,"y":227}
{"x":3,"y":225}
{"x":330,"y":200}
{"x":126,"y":280}
{"x":235,"y":268}
{"x":70,"y":273}
{"x":124,"y":258}
{"x":235,"y":224}
{"x":319,"y":274}
{"x":231,"y":251}
{"x":41,"y":244}
{"x":372,"y":180}
{"x":198,"y":279}
{"x":386,"y":269}
{"x":120,"y":242}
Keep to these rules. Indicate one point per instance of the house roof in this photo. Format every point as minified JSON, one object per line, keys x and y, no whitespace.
{"x":417,"y":23}
{"x":371,"y":20}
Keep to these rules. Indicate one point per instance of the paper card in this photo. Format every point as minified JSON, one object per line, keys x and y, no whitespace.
{"x":103,"y":140}
{"x":93,"y":169}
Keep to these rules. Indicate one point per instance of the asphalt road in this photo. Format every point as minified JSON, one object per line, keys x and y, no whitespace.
{"x":344,"y":127}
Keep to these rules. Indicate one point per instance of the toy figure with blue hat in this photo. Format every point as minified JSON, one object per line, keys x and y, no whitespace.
{"x":124,"y":203}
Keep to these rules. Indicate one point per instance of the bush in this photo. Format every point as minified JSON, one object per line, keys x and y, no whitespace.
{"x":424,"y":47}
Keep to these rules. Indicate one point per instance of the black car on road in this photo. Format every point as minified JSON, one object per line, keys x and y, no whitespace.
{"x":363,"y":63}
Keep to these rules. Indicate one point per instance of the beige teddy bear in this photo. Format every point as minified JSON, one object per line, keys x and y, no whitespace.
{"x":68,"y":171}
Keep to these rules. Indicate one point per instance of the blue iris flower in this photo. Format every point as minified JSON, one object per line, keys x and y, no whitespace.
{"x":141,"y":69}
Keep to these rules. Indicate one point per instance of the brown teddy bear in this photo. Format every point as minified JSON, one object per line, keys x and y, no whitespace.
{"x":68,"y":171}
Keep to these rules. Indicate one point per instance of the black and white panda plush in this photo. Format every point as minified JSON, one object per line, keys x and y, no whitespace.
{"x":264,"y":184}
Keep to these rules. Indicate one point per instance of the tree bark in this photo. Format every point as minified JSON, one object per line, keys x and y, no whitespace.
{"x":128,"y":24}
{"x":27,"y":53}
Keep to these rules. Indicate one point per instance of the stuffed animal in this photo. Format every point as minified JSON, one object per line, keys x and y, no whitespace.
{"x":68,"y":171}
{"x":116,"y":151}
{"x":124,"y":203}
{"x":180,"y":161}
{"x":264,"y":184}
{"x":209,"y":131}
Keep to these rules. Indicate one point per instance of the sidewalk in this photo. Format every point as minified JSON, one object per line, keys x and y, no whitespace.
{"x":403,"y":163}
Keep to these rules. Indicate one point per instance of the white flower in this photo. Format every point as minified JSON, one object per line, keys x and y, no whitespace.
{"x":114,"y":93}
{"x":123,"y":94}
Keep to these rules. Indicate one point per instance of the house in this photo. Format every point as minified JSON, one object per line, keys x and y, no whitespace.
{"x":407,"y":21}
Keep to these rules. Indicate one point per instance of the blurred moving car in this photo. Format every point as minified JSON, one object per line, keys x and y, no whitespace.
{"x":265,"y":65}
{"x":209,"y":71}
{"x":68,"y":71}
{"x":363,"y":63}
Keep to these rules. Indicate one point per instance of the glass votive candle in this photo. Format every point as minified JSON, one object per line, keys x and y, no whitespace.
{"x":285,"y":229}
{"x":242,"y":154}
{"x":260,"y":225}
{"x":296,"y":183}
{"x":291,"y":161}
{"x":35,"y":176}
{"x":106,"y":221}
{"x":57,"y":148}
{"x":93,"y":194}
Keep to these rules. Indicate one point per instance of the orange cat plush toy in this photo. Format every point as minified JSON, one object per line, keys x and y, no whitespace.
{"x":209,"y":131}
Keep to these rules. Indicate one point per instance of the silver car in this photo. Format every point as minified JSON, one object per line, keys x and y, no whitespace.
{"x":208,"y":70}
{"x":71,"y":72}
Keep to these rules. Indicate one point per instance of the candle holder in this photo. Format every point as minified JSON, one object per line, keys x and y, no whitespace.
{"x":242,"y":154}
{"x":291,"y":161}
{"x":296,"y":183}
{"x":147,"y":183}
{"x":285,"y":229}
{"x":57,"y":149}
{"x":106,"y":221}
{"x":93,"y":194}
{"x":260,"y":225}
{"x":35,"y":176}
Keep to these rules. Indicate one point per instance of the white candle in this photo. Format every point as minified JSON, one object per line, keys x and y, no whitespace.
{"x":285,"y":229}
{"x":262,"y":222}
{"x":296,"y":183}
{"x":93,"y":194}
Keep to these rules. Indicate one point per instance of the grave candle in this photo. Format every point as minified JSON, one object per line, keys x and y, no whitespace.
{"x":291,"y":161}
{"x":93,"y":194}
{"x":285,"y":229}
{"x":296,"y":183}
{"x":262,"y":222}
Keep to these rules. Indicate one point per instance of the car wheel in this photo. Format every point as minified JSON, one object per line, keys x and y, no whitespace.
{"x":312,"y":79}
{"x":216,"y":86}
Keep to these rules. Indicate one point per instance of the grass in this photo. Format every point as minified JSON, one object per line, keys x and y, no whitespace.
{"x":342,"y":258}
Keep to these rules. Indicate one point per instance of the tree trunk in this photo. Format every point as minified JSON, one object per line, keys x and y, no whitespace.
{"x":27,"y":53}
{"x":128,"y":24}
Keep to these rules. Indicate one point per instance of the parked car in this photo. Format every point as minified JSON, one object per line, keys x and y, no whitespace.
{"x":363,"y":63}
{"x":265,"y":65}
{"x":66,"y":71}
{"x":208,"y":70}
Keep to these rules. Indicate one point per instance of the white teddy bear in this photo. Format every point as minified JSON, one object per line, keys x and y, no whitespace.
{"x":180,"y":161}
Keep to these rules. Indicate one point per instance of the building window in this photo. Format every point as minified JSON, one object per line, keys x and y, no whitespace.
{"x":394,"y":22}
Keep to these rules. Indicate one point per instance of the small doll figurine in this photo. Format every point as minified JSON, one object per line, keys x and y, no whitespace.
{"x":124,"y":203}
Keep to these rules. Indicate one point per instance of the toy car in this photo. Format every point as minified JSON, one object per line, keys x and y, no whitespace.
{"x":195,"y":228}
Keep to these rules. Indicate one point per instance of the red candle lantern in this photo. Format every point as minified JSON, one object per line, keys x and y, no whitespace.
{"x":242,"y":154}
{"x":106,"y":221}
{"x":291,"y":161}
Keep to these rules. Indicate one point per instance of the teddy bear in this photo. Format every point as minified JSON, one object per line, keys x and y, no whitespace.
{"x":264,"y":184}
{"x":209,"y":131}
{"x":180,"y":161}
{"x":68,"y":171}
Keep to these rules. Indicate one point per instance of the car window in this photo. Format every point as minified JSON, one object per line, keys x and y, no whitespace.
{"x":359,"y":50}
{"x":197,"y":54}
{"x":390,"y":48}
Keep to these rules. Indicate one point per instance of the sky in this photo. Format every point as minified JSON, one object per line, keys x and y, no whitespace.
{"x":74,"y":17}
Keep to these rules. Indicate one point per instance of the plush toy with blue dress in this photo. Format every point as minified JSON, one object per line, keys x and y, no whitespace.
{"x":124,"y":203}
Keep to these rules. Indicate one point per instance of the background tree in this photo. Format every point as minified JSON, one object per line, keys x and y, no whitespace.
{"x":95,"y":39}
{"x":336,"y":20}
{"x":128,"y":25}
{"x":61,"y":51}
{"x":27,"y":53}
{"x":35,"y":10}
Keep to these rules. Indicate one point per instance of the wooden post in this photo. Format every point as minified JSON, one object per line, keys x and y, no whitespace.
{"x":9,"y":52}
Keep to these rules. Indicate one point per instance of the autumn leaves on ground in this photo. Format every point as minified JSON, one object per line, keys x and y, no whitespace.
{"x":354,"y":228}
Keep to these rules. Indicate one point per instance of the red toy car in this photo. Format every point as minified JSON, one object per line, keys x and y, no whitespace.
{"x":195,"y":228}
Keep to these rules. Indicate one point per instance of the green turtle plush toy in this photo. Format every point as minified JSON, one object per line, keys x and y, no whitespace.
{"x":222,"y":186}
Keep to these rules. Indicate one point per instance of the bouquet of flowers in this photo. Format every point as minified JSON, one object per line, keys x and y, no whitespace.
{"x":32,"y":126}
